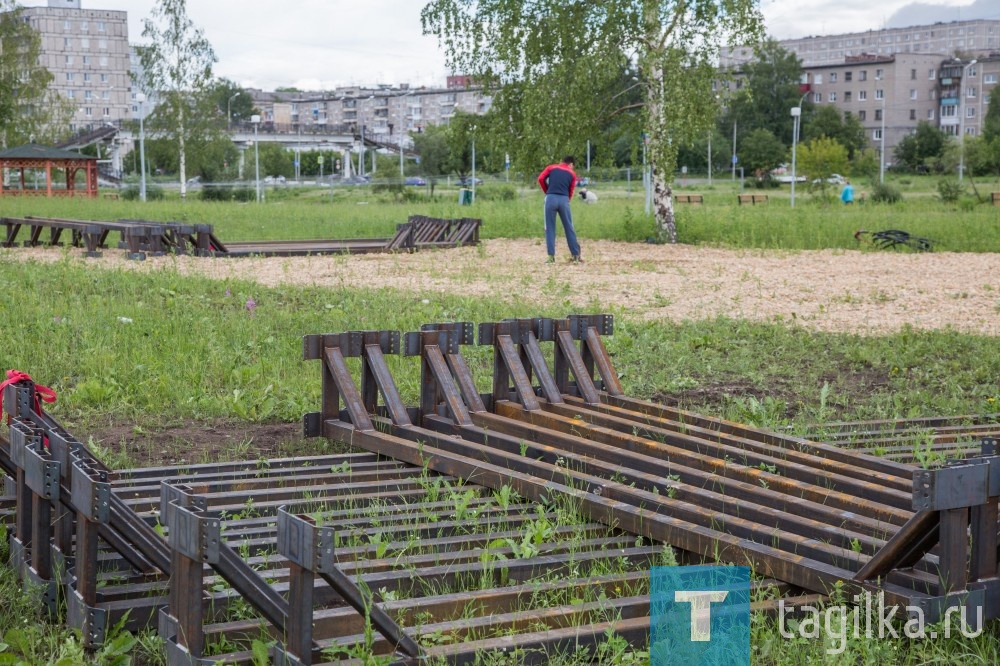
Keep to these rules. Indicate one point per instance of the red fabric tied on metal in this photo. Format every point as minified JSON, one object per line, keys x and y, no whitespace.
{"x":42,"y":393}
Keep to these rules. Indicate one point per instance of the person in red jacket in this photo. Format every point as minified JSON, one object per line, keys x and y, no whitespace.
{"x":558,"y":182}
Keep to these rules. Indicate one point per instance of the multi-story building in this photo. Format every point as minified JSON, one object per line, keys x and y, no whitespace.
{"x":979,"y":37}
{"x":889,"y":94}
{"x":383,"y":114}
{"x":965,"y":89}
{"x":87,"y":52}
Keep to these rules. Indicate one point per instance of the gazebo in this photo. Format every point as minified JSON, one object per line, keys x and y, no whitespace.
{"x":33,"y":156}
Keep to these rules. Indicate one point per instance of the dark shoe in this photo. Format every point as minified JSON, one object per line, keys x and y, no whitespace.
{"x":576,"y":259}
{"x":551,"y":259}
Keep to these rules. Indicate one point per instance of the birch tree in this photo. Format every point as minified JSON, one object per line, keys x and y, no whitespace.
{"x":176,"y":66}
{"x":554,"y":68}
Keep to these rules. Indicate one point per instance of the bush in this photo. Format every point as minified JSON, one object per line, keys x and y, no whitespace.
{"x":216,"y":193}
{"x":949,"y":190}
{"x":153,"y":193}
{"x":496,"y":193}
{"x":885,"y":193}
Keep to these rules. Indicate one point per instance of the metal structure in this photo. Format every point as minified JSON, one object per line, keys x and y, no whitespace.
{"x":141,"y":238}
{"x":443,"y":537}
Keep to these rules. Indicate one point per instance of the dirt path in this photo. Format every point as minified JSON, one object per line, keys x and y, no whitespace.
{"x":830,"y":290}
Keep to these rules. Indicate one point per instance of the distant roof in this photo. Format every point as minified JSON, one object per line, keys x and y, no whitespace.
{"x":33,"y":151}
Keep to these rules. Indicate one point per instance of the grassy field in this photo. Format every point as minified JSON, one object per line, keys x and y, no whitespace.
{"x":510,"y":211}
{"x":146,"y":350}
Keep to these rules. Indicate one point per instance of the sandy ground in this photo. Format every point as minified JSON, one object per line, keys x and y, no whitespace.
{"x":830,"y":290}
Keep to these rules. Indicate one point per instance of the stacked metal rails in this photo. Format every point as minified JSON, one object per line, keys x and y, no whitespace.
{"x":448,"y":537}
{"x":141,"y":238}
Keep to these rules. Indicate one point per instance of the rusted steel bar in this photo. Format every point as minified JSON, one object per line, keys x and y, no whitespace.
{"x":911,"y":541}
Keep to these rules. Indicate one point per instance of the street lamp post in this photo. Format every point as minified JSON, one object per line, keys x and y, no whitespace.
{"x":796,"y":118}
{"x":796,"y":126}
{"x":141,"y":98}
{"x":229,"y":110}
{"x":881,"y":157}
{"x":255,"y":119}
{"x":961,"y":123}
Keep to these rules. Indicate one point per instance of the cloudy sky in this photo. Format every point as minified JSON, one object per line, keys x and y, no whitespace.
{"x":316,"y":44}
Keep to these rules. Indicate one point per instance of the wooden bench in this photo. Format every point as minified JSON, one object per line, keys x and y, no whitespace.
{"x":996,"y":198}
{"x":111,"y":195}
{"x":752,"y":199}
{"x":689,"y":198}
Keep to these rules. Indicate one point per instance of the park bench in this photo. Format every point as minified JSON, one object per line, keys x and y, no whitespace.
{"x":689,"y":198}
{"x":752,"y":199}
{"x":996,"y":198}
{"x":111,"y":195}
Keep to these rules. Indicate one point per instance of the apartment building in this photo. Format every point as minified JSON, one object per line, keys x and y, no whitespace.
{"x":973,"y":38}
{"x":965,"y":89}
{"x":889,"y":94}
{"x":382,"y":113}
{"x":87,"y":52}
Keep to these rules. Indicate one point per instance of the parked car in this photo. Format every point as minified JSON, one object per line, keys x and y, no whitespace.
{"x":834,"y":179}
{"x":415,"y":180}
{"x":467,"y":181}
{"x":357,"y":180}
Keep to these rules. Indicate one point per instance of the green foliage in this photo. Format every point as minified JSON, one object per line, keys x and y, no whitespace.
{"x":843,"y":127}
{"x":949,"y":190}
{"x":153,"y":192}
{"x":886,"y":193}
{"x":230,"y":98}
{"x":761,"y":152}
{"x":555,"y":71}
{"x":435,"y":155}
{"x":922,"y":150}
{"x":991,"y":120}
{"x":177,"y":62}
{"x":770,"y":89}
{"x":820,"y":158}
{"x":226,"y":193}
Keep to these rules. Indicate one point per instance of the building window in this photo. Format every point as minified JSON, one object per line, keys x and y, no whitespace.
{"x":104,"y":78}
{"x":88,"y":111}
{"x":818,"y":79}
{"x":863,"y":75}
{"x":879,"y":73}
{"x":86,"y":77}
{"x":86,"y":60}
{"x":833,"y":97}
{"x":67,"y":42}
{"x":102,"y":44}
{"x":101,"y":26}
{"x":970,"y":91}
{"x":948,"y":111}
{"x":847,"y":76}
{"x":107,"y":112}
{"x":878,"y":114}
{"x":931,"y":74}
{"x":862,"y":95}
{"x":84,"y":26}
{"x":817,"y":97}
{"x":104,"y":61}
{"x":69,"y":60}
{"x":879,"y":94}
{"x":84,"y":43}
{"x":847,"y":96}
{"x":105,"y":94}
{"x":970,"y":112}
{"x":913,"y":114}
{"x":833,"y":77}
{"x":913,"y":93}
{"x":67,"y":25}
{"x":932,"y":95}
{"x":71,"y":94}
{"x":87,"y":94}
{"x":971,"y":71}
{"x":930,"y":114}
{"x":862,"y":115}
{"x":989,"y":78}
{"x":877,"y":135}
{"x":971,"y":131}
{"x":913,"y":75}
{"x":69,"y":77}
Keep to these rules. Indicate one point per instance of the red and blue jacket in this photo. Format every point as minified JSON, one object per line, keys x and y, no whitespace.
{"x":558,"y":179}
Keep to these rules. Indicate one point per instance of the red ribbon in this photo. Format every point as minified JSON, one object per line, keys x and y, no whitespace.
{"x":42,"y":393}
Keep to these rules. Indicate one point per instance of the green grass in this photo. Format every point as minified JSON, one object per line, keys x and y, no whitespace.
{"x":358,"y":212}
{"x":132,"y":347}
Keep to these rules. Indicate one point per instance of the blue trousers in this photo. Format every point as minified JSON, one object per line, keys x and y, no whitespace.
{"x":556,"y":203}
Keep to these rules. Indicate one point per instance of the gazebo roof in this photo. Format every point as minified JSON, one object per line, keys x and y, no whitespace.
{"x":33,"y":151}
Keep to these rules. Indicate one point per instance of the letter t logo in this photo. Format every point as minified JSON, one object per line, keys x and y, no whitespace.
{"x":700,"y":600}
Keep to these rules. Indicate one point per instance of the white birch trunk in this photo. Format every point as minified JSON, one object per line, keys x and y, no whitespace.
{"x":181,"y":157}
